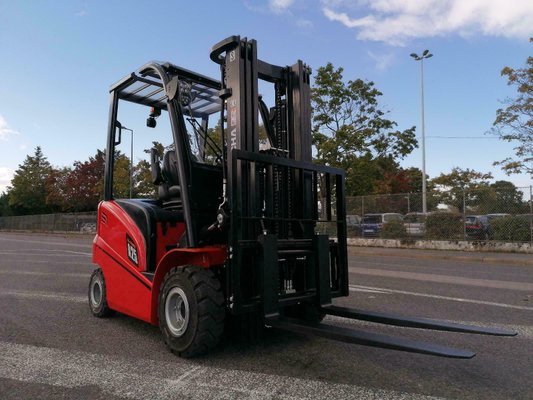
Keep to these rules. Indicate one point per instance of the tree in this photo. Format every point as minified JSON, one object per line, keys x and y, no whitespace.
{"x":414,"y":176}
{"x":350,"y":130}
{"x":142,"y":173}
{"x":121,"y":176}
{"x":451,"y":188}
{"x":514,"y":123}
{"x":27,"y":194}
{"x":5,"y":210}
{"x":56,"y":189}
{"x":84,"y":184}
{"x":506,"y":199}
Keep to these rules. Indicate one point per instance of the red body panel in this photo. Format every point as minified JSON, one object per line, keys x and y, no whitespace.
{"x":128,"y":290}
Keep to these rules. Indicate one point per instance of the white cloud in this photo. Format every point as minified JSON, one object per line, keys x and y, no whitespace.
{"x":279,"y":6}
{"x":6,"y":174}
{"x":383,"y":61}
{"x":5,"y":130}
{"x":398,"y":21}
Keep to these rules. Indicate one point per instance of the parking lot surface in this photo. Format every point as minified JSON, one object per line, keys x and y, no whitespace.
{"x":52,"y":347}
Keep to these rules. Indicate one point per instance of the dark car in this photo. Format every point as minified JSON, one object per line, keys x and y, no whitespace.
{"x":372,"y":223}
{"x":477,"y":227}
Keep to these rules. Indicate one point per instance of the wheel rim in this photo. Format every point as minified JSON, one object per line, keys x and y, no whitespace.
{"x":96,"y":292}
{"x":177,"y":311}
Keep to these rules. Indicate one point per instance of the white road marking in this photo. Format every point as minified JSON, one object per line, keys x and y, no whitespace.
{"x":26,"y":255}
{"x":365,"y":289}
{"x":43,"y":295}
{"x":39,"y":273}
{"x":77,"y":252}
{"x":46,"y":242}
{"x":59,"y":262}
{"x":434,"y":296}
{"x":167,"y":380}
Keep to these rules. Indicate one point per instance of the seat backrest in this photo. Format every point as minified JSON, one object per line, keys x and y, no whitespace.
{"x":155,"y":167}
{"x":170,"y":168}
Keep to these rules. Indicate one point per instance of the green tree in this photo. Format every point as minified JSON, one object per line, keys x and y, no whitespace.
{"x":142,"y":173}
{"x":121,"y":176}
{"x":5,"y":209}
{"x":506,"y":198}
{"x":27,"y":194}
{"x":142,"y":178}
{"x":451,"y":188}
{"x":414,"y":177}
{"x":351,"y":131}
{"x":514,"y":123}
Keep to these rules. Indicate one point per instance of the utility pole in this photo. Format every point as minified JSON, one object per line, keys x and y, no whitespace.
{"x":416,"y":57}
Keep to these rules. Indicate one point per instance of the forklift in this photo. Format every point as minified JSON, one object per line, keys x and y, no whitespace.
{"x":243,"y":226}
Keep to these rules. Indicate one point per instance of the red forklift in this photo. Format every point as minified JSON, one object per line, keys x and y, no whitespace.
{"x":233,"y":232}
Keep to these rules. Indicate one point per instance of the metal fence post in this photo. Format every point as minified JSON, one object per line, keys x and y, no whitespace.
{"x":362,"y":215}
{"x":464,"y":214}
{"x":530,"y":219}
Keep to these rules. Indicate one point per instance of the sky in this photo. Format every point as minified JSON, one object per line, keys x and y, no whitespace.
{"x":59,"y":58}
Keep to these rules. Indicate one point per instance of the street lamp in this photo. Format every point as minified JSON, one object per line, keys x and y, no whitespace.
{"x":131,"y":160}
{"x":416,"y":57}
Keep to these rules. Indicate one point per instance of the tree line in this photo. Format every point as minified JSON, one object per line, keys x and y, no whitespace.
{"x":350,"y":130}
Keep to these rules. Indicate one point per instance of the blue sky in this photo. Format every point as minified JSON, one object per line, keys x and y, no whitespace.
{"x":58,"y":59}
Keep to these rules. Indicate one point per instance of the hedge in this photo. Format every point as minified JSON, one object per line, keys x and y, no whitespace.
{"x":444,"y":225}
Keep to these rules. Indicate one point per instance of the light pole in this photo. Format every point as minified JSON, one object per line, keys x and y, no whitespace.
{"x":416,"y":57}
{"x":131,"y":160}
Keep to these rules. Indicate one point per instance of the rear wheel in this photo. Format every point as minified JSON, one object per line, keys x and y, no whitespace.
{"x":191,"y":310}
{"x":98,"y":295}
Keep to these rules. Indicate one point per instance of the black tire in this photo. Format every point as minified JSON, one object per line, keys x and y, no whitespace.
{"x":98,"y":296}
{"x":191,"y":310}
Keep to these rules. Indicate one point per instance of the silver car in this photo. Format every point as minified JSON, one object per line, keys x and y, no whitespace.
{"x":415,"y":223}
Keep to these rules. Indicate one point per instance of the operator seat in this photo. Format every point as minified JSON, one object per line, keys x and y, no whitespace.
{"x":167,"y":179}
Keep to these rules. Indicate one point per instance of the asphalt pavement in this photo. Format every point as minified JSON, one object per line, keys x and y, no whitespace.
{"x":52,"y":347}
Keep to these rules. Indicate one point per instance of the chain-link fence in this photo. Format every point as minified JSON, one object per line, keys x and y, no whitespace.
{"x":484,"y":214}
{"x":74,"y":222}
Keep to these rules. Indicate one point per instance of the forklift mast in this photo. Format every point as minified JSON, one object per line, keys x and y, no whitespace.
{"x":275,"y":197}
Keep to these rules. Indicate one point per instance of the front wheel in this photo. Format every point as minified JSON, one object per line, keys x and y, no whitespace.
{"x":191,"y":310}
{"x":98,"y":295}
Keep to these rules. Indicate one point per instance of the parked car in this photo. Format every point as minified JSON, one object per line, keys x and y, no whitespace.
{"x":353,"y":225}
{"x":496,"y":215}
{"x":478,"y":227}
{"x":415,"y":223}
{"x":88,"y":228}
{"x":372,"y":223}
